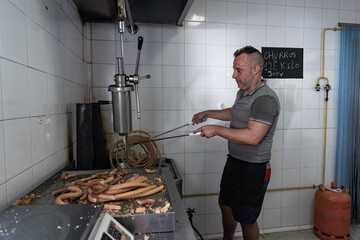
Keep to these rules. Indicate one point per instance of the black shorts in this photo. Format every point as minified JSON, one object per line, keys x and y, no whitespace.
{"x":243,"y":186}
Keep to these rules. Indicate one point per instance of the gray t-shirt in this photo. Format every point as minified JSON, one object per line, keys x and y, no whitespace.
{"x":260,"y":105}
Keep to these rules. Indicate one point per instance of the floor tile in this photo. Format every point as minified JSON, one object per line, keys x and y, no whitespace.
{"x":306,"y":234}
{"x":291,"y":235}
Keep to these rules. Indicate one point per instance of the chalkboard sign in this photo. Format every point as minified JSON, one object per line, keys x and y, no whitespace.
{"x":283,"y":62}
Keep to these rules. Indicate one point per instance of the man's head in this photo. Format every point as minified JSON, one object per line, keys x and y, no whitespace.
{"x":254,"y":57}
{"x":248,"y":65}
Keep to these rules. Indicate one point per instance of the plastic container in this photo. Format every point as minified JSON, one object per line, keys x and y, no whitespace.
{"x":332,"y":217}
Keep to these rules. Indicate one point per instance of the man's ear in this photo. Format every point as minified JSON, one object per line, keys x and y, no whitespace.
{"x":256,"y":69}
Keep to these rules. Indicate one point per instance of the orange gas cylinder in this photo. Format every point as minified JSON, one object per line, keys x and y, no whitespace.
{"x":332,"y":213}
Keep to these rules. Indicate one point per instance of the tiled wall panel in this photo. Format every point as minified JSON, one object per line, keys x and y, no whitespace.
{"x":41,"y":63}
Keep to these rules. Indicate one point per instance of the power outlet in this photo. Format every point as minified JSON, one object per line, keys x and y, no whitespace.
{"x":221,"y":105}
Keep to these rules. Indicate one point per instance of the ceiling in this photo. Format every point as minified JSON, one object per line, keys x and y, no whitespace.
{"x":142,"y":11}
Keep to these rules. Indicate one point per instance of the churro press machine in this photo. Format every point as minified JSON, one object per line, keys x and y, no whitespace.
{"x":124,"y":84}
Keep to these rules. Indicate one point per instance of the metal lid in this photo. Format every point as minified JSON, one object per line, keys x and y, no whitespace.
{"x":127,"y":88}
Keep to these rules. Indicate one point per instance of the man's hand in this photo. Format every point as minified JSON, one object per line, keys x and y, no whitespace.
{"x":199,"y":117}
{"x":208,"y":131}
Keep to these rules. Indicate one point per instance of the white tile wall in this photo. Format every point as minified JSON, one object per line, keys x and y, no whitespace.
{"x":271,"y":218}
{"x":348,"y":5}
{"x":276,"y":15}
{"x":213,"y":223}
{"x":291,"y":158}
{"x":152,"y":53}
{"x":277,"y":2}
{"x":215,"y":161}
{"x":173,"y":98}
{"x":306,"y":215}
{"x":215,"y":11}
{"x":215,"y":56}
{"x":40,"y":55}
{"x":18,"y":159}
{"x":13,"y":35}
{"x":173,"y":77}
{"x":38,"y":86}
{"x":40,"y":139}
{"x":256,"y":14}
{"x":195,"y":163}
{"x":194,"y":183}
{"x":236,"y":35}
{"x":236,"y":12}
{"x":294,"y":38}
{"x":35,"y":44}
{"x":212,"y":205}
{"x":20,"y":4}
{"x":334,"y":4}
{"x":2,"y":155}
{"x":3,"y":200}
{"x":16,"y":97}
{"x":103,"y":52}
{"x":103,"y":31}
{"x":313,"y":3}
{"x":215,"y":33}
{"x":295,"y":3}
{"x":169,"y":51}
{"x":294,"y":16}
{"x":194,"y":32}
{"x":289,"y":216}
{"x":103,"y":74}
{"x":214,"y":77}
{"x":173,"y":34}
{"x":19,"y":185}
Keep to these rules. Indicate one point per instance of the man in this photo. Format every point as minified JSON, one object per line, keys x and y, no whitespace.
{"x":253,"y":119}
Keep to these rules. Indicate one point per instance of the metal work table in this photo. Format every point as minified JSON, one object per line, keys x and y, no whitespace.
{"x":183,"y":229}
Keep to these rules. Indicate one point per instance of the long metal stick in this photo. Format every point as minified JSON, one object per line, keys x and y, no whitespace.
{"x":172,"y":130}
{"x":158,"y":139}
{"x":131,"y":22}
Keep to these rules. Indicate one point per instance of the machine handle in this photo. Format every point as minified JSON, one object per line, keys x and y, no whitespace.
{"x":194,"y":134}
{"x":137,"y":100}
{"x":148,"y":76}
{"x":140,"y":42}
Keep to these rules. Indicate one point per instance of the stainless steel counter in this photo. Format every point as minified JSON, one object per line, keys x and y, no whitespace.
{"x":183,"y":229}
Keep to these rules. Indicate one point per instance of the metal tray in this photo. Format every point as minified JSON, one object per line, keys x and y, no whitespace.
{"x":149,"y":222}
{"x":43,"y":222}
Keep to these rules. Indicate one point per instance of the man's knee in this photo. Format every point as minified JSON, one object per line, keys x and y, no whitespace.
{"x":248,"y":226}
{"x":224,"y":208}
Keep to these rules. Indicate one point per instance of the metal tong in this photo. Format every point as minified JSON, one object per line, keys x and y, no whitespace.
{"x":177,"y":136}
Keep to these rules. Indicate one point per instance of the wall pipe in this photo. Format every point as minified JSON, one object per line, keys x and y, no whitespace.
{"x":327,"y":88}
{"x":268,"y":190}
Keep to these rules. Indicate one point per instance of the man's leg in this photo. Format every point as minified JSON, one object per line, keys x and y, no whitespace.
{"x":250,"y":231}
{"x":229,"y":223}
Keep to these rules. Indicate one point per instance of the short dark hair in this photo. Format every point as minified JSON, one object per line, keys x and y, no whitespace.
{"x":254,"y":55}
